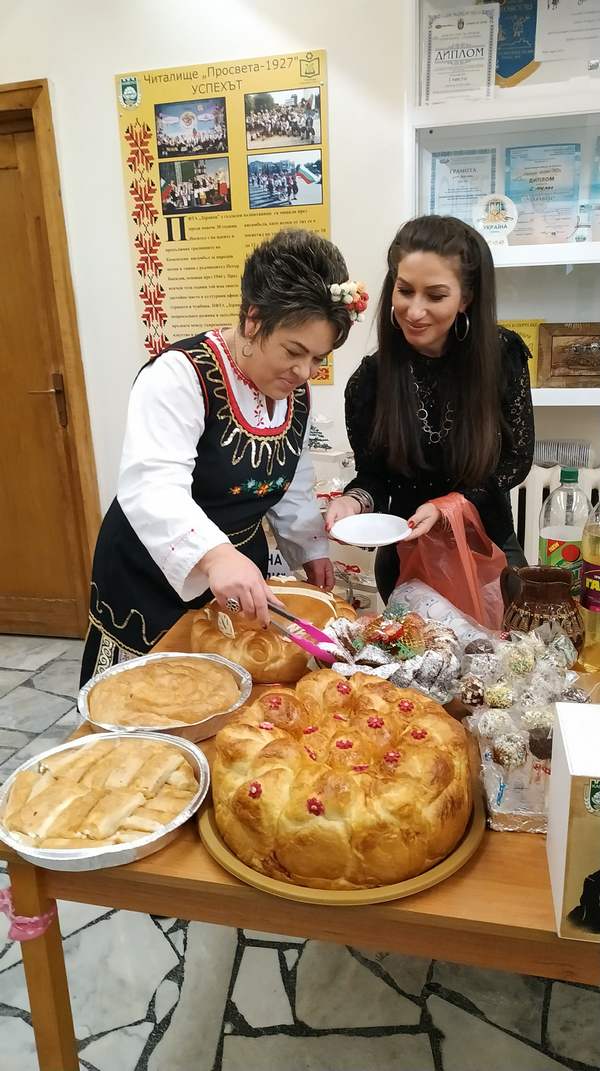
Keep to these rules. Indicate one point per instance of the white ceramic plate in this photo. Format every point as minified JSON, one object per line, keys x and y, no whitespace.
{"x":371,"y":530}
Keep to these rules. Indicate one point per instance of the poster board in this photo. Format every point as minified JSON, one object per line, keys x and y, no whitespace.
{"x":216,"y":158}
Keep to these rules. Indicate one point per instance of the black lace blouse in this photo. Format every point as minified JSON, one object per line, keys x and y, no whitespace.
{"x":401,"y":495}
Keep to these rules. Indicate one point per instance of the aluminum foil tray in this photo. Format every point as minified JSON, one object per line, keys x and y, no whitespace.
{"x":112,"y":854}
{"x":198,"y":730}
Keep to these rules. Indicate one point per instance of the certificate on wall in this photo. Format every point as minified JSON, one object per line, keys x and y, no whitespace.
{"x":218,"y":157}
{"x":460,"y":54}
{"x":567,"y":29}
{"x":543,"y":182}
{"x":458,"y":179}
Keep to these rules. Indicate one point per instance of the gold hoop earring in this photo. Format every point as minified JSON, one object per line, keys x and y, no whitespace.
{"x":247,"y":349}
{"x":394,"y":320}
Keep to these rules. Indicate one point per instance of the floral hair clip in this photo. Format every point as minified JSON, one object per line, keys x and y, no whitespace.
{"x":353,"y":295}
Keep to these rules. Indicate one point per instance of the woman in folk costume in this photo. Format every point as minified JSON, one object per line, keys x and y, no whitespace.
{"x":216,"y":440}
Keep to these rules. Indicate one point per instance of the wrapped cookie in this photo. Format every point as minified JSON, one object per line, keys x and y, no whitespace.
{"x":472,"y":691}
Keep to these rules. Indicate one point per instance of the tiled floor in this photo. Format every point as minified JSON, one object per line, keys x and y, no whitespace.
{"x":154,"y":994}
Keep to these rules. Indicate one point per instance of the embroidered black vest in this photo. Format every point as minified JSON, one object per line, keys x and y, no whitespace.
{"x":240,"y":473}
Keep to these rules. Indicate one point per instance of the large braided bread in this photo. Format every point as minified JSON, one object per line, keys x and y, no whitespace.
{"x":341,"y":784}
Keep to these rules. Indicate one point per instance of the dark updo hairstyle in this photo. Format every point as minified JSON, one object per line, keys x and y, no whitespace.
{"x":287,"y":280}
{"x":472,"y":388}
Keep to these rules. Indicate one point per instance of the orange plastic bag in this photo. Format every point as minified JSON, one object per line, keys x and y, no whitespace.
{"x":458,"y":560}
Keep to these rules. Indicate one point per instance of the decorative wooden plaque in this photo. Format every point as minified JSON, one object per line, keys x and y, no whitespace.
{"x":569,"y":355}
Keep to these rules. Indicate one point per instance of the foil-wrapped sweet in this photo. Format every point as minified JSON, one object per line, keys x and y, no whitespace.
{"x":400,"y":646}
{"x":485,"y":666}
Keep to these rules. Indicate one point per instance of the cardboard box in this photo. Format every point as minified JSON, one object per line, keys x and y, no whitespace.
{"x":573,"y":843}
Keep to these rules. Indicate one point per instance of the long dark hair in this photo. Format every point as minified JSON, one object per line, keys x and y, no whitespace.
{"x":473,"y":388}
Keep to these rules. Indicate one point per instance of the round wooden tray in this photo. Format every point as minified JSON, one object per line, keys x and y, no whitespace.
{"x":469,"y":844}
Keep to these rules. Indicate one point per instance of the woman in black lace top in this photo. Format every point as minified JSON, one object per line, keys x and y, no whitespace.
{"x":445,"y":403}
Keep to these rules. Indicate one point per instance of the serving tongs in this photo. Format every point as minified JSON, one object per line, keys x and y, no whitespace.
{"x":304,"y":626}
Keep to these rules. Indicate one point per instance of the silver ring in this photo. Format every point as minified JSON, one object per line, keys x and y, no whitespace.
{"x":233,"y":605}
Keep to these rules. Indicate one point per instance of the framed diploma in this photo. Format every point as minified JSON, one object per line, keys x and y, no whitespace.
{"x":569,"y":355}
{"x":460,"y":54}
{"x":543,"y":183}
{"x":458,"y":179}
{"x":567,"y":29}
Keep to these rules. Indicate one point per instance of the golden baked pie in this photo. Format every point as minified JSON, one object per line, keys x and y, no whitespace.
{"x":342,"y":784}
{"x":268,"y":656}
{"x":165,"y":693}
{"x":106,"y":792}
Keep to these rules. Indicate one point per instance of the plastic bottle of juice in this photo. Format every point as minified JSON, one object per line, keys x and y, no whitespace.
{"x":590,"y":592}
{"x":562,"y":519}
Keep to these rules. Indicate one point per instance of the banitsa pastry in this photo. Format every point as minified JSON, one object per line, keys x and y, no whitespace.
{"x":107,"y":792}
{"x":166,"y":693}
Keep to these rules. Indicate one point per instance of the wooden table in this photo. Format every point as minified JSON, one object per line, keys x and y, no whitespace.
{"x":496,"y":912}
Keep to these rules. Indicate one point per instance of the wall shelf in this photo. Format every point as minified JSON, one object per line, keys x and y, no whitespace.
{"x":539,"y":256}
{"x":565,"y":396}
{"x":506,"y":107}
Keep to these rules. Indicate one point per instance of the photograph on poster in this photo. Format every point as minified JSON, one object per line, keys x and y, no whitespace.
{"x":191,"y":127}
{"x":195,"y":186}
{"x":282,"y":179}
{"x":289,"y":117}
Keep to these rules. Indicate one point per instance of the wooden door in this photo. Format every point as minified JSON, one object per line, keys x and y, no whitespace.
{"x":44,"y":561}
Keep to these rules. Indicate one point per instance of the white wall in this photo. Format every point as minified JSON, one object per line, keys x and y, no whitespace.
{"x":80,"y":46}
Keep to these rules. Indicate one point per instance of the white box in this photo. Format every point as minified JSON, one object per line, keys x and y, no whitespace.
{"x":573,"y":843}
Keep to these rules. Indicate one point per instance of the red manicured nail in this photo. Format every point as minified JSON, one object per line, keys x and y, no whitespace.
{"x":411,"y":524}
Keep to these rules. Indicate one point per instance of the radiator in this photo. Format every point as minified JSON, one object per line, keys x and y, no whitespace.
{"x":526,"y":501}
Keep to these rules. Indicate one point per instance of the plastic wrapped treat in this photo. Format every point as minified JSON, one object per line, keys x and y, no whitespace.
{"x":515,"y":738}
{"x":537,"y":719}
{"x":515,"y":767}
{"x":574,"y":695}
{"x":518,"y":659}
{"x":499,"y":695}
{"x":540,"y":743}
{"x":399,"y":646}
{"x":493,"y":723}
{"x":509,"y":750}
{"x":559,"y":650}
{"x":472,"y":691}
{"x":481,"y":645}
{"x":433,"y":607}
{"x":485,"y":666}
